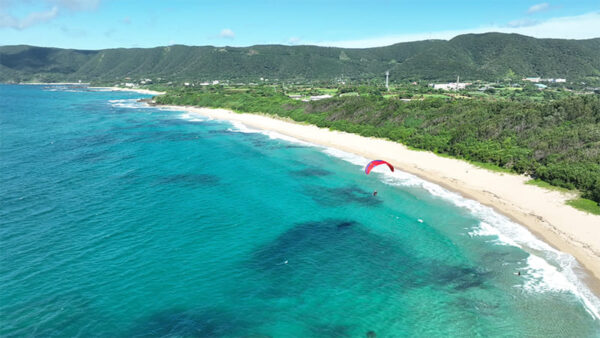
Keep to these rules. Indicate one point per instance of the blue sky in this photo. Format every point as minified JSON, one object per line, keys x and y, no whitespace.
{"x":96,"y":24}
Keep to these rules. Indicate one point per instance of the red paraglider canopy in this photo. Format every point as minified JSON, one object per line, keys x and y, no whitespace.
{"x":375,"y":163}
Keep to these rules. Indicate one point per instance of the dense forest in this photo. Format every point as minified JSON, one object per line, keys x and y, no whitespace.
{"x":555,"y":141}
{"x":489,"y":56}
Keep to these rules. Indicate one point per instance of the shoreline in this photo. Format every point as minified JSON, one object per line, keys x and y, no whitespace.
{"x":54,"y":83}
{"x":108,"y":89}
{"x":543,"y":212}
{"x":119,"y":89}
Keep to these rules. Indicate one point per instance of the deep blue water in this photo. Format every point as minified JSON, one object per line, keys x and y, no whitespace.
{"x":119,"y":220}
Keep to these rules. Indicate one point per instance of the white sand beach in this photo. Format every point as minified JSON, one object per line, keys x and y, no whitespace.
{"x":542,"y":211}
{"x":137,"y":90}
{"x":108,"y":89}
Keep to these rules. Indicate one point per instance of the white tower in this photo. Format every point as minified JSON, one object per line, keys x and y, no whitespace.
{"x":387,"y":76}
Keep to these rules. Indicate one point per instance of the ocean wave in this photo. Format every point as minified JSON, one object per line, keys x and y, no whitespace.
{"x":547,"y":268}
{"x":193,"y":117}
{"x":128,"y":103}
{"x":57,"y":88}
{"x":242,"y":128}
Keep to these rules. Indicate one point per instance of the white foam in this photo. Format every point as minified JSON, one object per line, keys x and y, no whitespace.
{"x":486,"y":230}
{"x":239,"y":127}
{"x":242,"y":128}
{"x":538,"y":270}
{"x":128,"y":103}
{"x":192,"y":117}
{"x":61,"y":88}
{"x":548,"y":270}
{"x":555,"y":272}
{"x":348,"y":157}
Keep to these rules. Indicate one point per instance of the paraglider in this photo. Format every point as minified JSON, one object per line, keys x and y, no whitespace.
{"x":372,"y":165}
{"x":375,"y":163}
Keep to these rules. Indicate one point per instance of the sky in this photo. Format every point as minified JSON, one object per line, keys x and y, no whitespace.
{"x":99,"y":24}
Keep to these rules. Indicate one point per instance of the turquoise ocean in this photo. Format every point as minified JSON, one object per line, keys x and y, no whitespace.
{"x":122,"y":220}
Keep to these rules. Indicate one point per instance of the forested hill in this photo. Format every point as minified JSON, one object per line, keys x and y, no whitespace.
{"x":488,"y":56}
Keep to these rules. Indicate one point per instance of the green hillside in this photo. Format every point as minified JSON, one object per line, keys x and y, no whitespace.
{"x":487,"y":56}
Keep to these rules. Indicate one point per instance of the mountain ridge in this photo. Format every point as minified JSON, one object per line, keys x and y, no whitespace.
{"x":487,"y":56}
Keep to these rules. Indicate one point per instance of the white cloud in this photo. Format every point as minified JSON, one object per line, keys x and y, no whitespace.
{"x":584,"y":26}
{"x":294,"y":40}
{"x":538,"y":8}
{"x":9,"y":21}
{"x":227,"y":34}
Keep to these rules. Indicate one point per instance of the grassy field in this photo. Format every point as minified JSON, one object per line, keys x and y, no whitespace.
{"x":439,"y":96}
{"x":327,"y":91}
{"x":586,"y":205}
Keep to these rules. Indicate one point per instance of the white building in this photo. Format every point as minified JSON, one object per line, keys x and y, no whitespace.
{"x":320,"y":97}
{"x":451,"y":85}
{"x":532,"y":79}
{"x":550,"y":80}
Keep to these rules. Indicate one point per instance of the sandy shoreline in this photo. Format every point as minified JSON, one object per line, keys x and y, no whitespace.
{"x":542,"y":211}
{"x":108,"y":89}
{"x":137,"y":90}
{"x":56,"y":83}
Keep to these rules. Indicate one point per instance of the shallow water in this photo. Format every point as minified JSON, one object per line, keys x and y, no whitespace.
{"x":118,"y":219}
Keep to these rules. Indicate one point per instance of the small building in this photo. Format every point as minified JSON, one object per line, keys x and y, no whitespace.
{"x":532,"y":79}
{"x":320,"y":97}
{"x":541,"y":86}
{"x":451,"y":85}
